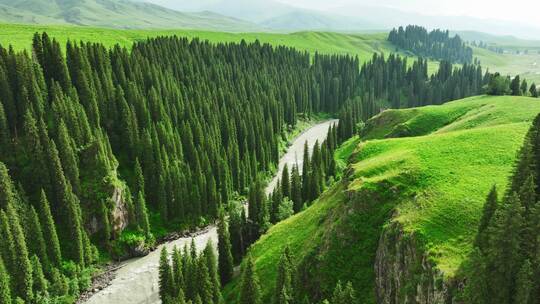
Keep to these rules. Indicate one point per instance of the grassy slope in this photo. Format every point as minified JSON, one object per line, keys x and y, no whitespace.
{"x":362,"y":45}
{"x":527,"y":66}
{"x":437,"y":181}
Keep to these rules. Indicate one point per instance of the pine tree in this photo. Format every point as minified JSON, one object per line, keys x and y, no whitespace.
{"x":166,"y":280}
{"x":285,"y":182}
{"x":178,"y":275}
{"x":533,"y":91}
{"x":250,"y":291}
{"x":49,"y":231}
{"x":5,"y":291}
{"x":296,"y":190}
{"x":224,"y":251}
{"x":142,"y":215}
{"x":524,"y":284}
{"x":212,"y":265}
{"x":203,"y":282}
{"x":283,"y":292}
{"x":22,"y":275}
{"x":35,"y":238}
{"x":40,"y":284}
{"x":344,"y":295}
{"x":515,"y":86}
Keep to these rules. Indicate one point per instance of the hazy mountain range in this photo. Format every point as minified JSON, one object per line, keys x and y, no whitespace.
{"x":240,"y":15}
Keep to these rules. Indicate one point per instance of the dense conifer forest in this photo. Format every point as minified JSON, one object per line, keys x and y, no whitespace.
{"x":99,"y":146}
{"x":436,"y":44}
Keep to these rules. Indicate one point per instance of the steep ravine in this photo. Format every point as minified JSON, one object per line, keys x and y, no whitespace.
{"x":136,"y":280}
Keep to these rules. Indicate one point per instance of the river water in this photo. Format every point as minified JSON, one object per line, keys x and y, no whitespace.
{"x":136,"y":280}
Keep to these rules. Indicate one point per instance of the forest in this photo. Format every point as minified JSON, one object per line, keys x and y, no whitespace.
{"x":436,"y":44}
{"x":103,"y":148}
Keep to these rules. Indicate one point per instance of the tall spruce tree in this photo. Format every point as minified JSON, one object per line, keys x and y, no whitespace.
{"x":250,"y":291}
{"x":224,"y":251}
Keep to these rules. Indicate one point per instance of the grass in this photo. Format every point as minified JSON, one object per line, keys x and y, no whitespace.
{"x":434,"y":182}
{"x":457,"y":153}
{"x":361,"y":45}
{"x":525,"y":65}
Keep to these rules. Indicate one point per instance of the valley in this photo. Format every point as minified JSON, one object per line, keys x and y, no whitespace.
{"x":261,"y":151}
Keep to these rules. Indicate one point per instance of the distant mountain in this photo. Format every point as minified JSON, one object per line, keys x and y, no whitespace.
{"x":385,"y":18}
{"x":114,"y":13}
{"x":251,"y":10}
{"x":300,"y":20}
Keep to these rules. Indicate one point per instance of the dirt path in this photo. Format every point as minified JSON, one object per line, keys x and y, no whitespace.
{"x":136,"y":280}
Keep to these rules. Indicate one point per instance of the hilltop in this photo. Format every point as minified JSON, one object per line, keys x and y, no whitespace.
{"x":113,"y":14}
{"x":411,"y":200}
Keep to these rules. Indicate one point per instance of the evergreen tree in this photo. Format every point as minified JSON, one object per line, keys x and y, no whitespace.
{"x":5,"y":291}
{"x":212,"y":265}
{"x":40,"y":284}
{"x":533,"y":91}
{"x":35,"y":238}
{"x":250,"y":291}
{"x":49,"y":232}
{"x":141,"y":214}
{"x":296,"y":190}
{"x":344,"y":295}
{"x":515,"y":86}
{"x":166,"y":280}
{"x":283,"y":292}
{"x":224,"y":251}
{"x":22,"y":269}
{"x":285,"y":182}
{"x":524,"y":284}
{"x":178,"y":274}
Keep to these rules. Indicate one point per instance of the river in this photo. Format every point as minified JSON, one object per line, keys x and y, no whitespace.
{"x":136,"y":280}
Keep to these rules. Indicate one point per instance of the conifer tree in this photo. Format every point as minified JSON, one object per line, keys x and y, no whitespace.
{"x":49,"y":231}
{"x":523,"y":284}
{"x":178,"y":275}
{"x":40,"y":284}
{"x":285,"y":182}
{"x":250,"y":291}
{"x":283,"y":292}
{"x":141,"y":214}
{"x":344,"y":295}
{"x":22,"y":269}
{"x":35,"y":238}
{"x":5,"y":291}
{"x":224,"y":251}
{"x":296,"y":189}
{"x":166,"y":280}
{"x":203,"y":282}
{"x":212,"y":265}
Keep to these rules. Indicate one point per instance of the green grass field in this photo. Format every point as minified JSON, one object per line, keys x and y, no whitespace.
{"x":436,"y":179}
{"x":362,"y":45}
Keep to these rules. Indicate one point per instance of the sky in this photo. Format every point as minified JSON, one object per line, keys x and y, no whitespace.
{"x":521,"y":11}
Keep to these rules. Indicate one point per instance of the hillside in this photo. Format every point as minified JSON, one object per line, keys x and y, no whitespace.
{"x":410,"y":205}
{"x":113,"y":13}
{"x":363,"y":45}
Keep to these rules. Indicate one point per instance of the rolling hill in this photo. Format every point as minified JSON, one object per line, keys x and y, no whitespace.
{"x":410,"y":203}
{"x":115,"y":14}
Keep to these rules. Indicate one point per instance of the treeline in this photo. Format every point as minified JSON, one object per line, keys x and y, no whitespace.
{"x":190,"y":277}
{"x":505,"y":263}
{"x":436,"y":44}
{"x":505,"y":85}
{"x":186,"y":124}
{"x":394,"y":83}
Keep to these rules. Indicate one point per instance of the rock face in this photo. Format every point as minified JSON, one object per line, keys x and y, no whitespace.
{"x":120,"y":213}
{"x":404,"y":273}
